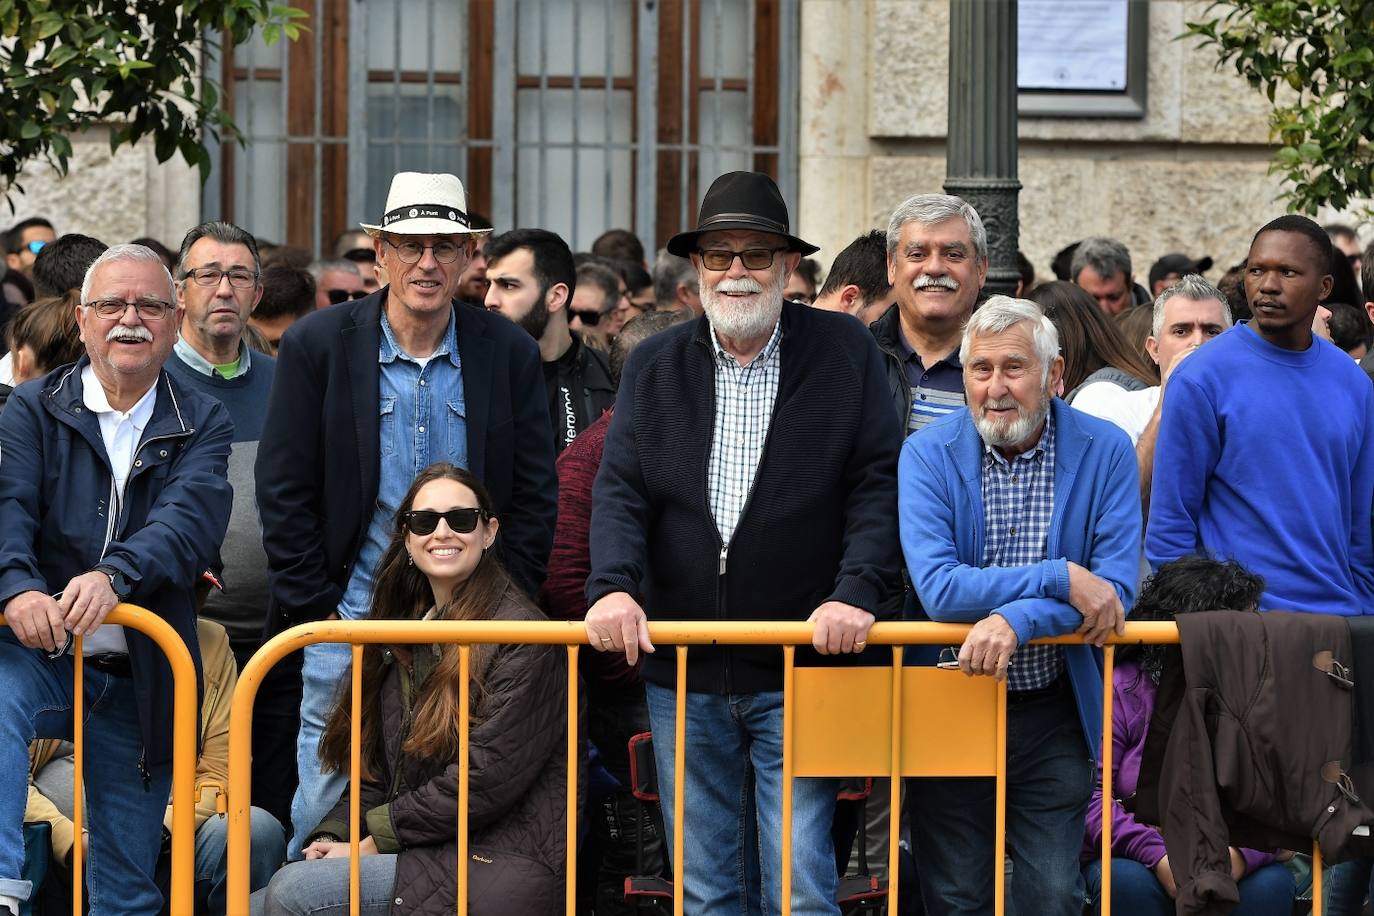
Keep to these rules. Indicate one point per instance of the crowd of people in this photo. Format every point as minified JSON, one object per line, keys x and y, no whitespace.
{"x":443,"y":421}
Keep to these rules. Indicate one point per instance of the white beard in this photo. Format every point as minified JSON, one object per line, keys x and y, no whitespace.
{"x":1005,"y":434}
{"x":743,"y":318}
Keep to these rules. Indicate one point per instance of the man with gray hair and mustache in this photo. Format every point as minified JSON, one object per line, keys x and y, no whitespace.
{"x":749,"y":473}
{"x":113,"y":488}
{"x":1019,"y":515}
{"x":937,"y":260}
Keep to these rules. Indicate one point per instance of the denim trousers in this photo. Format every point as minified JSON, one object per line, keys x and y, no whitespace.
{"x":319,"y":887}
{"x":125,"y":812}
{"x":324,"y":668}
{"x":1347,"y":886}
{"x":732,"y":841}
{"x":266,"y":855}
{"x":1049,"y":783}
{"x":1267,"y":891}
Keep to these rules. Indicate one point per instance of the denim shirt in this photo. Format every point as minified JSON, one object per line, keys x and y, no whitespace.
{"x":423,"y":419}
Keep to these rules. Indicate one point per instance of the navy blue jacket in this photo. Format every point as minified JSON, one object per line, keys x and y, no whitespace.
{"x":318,"y":465}
{"x":56,"y":486}
{"x":820,"y":523}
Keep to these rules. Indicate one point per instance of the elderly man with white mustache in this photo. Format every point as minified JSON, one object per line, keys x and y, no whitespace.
{"x":1022,"y":516}
{"x":113,"y":488}
{"x":749,"y":474}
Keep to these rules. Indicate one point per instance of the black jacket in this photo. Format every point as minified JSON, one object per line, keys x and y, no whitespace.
{"x":580,"y":391}
{"x":318,"y":464}
{"x":820,"y":523}
{"x":885,"y":331}
{"x":517,"y":784}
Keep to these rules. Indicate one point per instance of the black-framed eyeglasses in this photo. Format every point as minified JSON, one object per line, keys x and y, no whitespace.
{"x":410,"y":252}
{"x":113,"y":309}
{"x":753,"y":258}
{"x":210,"y":276}
{"x":589,"y":318}
{"x":460,"y":521}
{"x":337,"y":296}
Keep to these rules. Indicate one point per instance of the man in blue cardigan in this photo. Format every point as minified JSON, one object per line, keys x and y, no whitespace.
{"x":1022,"y":516}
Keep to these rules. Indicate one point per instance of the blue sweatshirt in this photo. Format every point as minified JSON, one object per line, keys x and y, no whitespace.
{"x":1264,"y":456}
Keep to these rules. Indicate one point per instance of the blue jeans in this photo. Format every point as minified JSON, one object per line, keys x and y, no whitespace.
{"x":733,"y":804}
{"x":1347,"y":886}
{"x":1267,"y":891}
{"x":125,"y":819}
{"x":1049,"y":782}
{"x":324,"y":669}
{"x":267,"y":853}
{"x":319,"y":887}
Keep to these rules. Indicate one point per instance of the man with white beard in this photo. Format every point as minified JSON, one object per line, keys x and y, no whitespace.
{"x":1021,"y":516}
{"x":750,"y":474}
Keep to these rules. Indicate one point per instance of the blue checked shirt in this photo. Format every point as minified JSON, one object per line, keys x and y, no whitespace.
{"x":744,"y":408}
{"x":1018,"y":500}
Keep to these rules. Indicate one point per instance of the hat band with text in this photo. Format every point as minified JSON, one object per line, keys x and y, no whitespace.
{"x":425,"y":211}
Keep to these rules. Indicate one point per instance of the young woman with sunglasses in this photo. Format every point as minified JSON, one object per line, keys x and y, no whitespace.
{"x":440,"y":566}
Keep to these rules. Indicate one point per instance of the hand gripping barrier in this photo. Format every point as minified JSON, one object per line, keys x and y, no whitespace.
{"x":184,"y":718}
{"x":856,"y":721}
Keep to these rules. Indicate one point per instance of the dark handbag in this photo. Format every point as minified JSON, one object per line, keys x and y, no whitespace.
{"x":37,"y":858}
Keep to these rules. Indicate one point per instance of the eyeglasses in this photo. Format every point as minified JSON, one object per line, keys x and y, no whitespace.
{"x":411,"y":252}
{"x":753,"y":258}
{"x":343,"y":295}
{"x":589,"y":319}
{"x":110,"y":309}
{"x":460,"y":521}
{"x":210,"y":277}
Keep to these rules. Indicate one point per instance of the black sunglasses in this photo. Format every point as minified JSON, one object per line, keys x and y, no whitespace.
{"x":590,"y":319}
{"x":337,"y":296}
{"x":460,"y":521}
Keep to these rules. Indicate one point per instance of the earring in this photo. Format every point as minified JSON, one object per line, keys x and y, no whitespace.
{"x":410,"y":560}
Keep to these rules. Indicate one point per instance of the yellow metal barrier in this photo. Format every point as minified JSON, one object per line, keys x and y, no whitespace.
{"x":835,"y":737}
{"x":184,"y":740}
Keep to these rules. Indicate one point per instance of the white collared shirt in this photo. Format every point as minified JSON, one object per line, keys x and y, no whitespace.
{"x":121,"y":432}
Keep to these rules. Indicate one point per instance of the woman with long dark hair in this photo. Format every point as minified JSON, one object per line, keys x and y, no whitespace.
{"x":1093,"y":347}
{"x":440,"y":566}
{"x":1142,"y":878}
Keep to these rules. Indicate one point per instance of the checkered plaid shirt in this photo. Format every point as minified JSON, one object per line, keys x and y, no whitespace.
{"x":744,"y":408}
{"x":1018,"y":500}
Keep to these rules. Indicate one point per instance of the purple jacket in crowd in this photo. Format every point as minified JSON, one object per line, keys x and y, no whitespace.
{"x":1133,"y":703}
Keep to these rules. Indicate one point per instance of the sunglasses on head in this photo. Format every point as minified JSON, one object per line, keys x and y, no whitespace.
{"x":460,"y":521}
{"x":337,"y":296}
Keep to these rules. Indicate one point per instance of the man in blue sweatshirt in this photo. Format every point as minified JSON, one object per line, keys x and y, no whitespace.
{"x":1263,"y":454}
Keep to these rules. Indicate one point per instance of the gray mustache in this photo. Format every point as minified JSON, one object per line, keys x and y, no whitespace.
{"x":924,"y":282}
{"x":131,"y":335}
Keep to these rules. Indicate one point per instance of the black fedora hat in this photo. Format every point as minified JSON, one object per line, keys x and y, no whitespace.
{"x":741,"y":200}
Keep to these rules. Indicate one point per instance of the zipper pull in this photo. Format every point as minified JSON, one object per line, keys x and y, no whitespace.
{"x":143,"y":770}
{"x":724,"y":549}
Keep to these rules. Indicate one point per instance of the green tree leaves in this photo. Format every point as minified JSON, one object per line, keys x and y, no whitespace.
{"x":1320,"y":53}
{"x":66,"y":65}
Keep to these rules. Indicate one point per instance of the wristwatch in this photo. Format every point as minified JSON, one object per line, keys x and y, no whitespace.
{"x":119,"y":583}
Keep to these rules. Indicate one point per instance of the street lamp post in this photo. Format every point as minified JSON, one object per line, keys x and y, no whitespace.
{"x":981,"y":147}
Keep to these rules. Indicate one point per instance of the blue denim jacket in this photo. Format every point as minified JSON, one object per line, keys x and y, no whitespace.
{"x":422,"y":420}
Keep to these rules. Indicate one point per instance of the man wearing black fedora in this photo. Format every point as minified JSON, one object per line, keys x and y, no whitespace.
{"x":749,"y":474}
{"x":368,"y":393}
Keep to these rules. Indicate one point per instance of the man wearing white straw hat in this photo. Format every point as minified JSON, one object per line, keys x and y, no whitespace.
{"x":367,"y":394}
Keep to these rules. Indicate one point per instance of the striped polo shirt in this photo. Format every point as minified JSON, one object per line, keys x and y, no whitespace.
{"x":936,"y":391}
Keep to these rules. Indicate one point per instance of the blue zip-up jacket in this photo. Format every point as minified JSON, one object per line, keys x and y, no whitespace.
{"x":1096,"y":524}
{"x":56,"y":493}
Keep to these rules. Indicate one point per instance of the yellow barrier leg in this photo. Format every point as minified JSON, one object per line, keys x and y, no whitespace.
{"x":679,"y":775}
{"x":78,"y":775}
{"x":355,"y":893}
{"x":464,"y":770}
{"x":570,"y":836}
{"x":894,"y":796}
{"x":999,"y":848}
{"x":789,"y":654}
{"x":1108,"y":697}
{"x":1316,"y":879}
